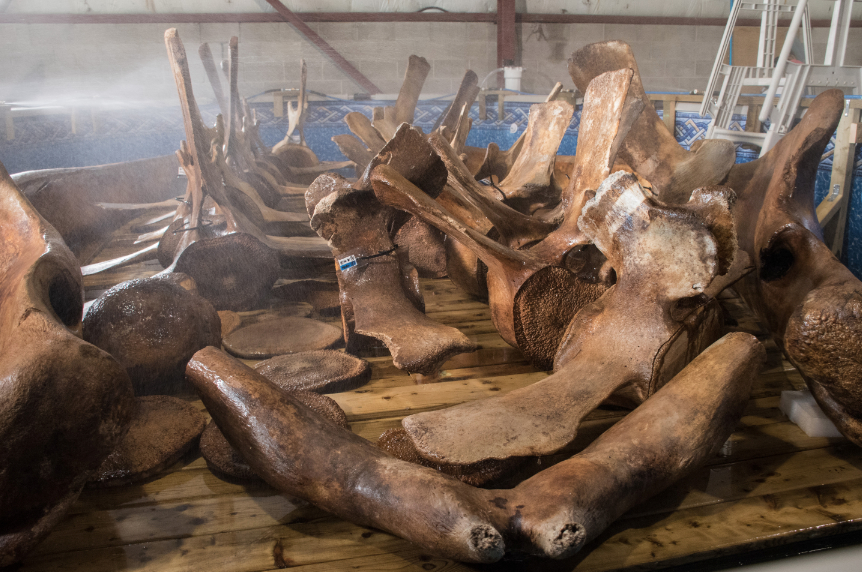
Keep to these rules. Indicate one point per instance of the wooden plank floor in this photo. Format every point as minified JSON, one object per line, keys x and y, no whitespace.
{"x":770,"y":484}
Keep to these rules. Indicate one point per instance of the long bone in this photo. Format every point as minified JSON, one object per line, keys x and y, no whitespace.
{"x":296,"y":115}
{"x":49,"y":444}
{"x":369,"y":136}
{"x":467,"y":92}
{"x":509,"y":269}
{"x":552,"y":514}
{"x":650,"y":149}
{"x":628,"y":343}
{"x":292,"y":448}
{"x":811,"y":303}
{"x":672,"y":433}
{"x":209,"y":64}
{"x":471,"y":203}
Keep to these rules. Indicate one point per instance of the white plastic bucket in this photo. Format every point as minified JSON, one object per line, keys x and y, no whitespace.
{"x":512,"y":76}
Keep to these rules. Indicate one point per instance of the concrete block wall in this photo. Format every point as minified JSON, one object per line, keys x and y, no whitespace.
{"x":128,"y":62}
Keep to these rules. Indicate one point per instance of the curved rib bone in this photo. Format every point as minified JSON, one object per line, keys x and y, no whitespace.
{"x":628,"y":343}
{"x":649,"y":148}
{"x":811,"y":303}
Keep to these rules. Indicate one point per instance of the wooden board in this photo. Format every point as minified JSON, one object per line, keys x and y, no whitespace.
{"x":769,"y":485}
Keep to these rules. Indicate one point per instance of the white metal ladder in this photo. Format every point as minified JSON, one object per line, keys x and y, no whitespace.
{"x":769,"y":73}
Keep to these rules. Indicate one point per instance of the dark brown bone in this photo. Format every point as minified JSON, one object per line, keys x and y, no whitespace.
{"x":69,"y":198}
{"x":224,"y":460}
{"x":675,"y":431}
{"x":354,"y":223}
{"x":396,"y":442}
{"x":269,"y":338}
{"x":235,"y":264}
{"x":322,"y":371}
{"x":152,"y":326}
{"x":628,"y":343}
{"x":553,"y":514}
{"x":64,"y":404}
{"x":810,"y":302}
{"x":606,"y":110}
{"x":291,"y":448}
{"x":163,"y":429}
{"x":650,"y":149}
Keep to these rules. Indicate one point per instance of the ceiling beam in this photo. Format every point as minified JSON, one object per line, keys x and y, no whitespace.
{"x":310,"y":17}
{"x":324,"y":47}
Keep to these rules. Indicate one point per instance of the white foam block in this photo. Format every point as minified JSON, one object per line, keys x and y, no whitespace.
{"x":801,"y":408}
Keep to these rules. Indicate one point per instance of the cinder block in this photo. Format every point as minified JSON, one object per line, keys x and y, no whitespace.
{"x":266,"y":51}
{"x":436,"y":86}
{"x":220,"y":32}
{"x":51,"y":34}
{"x":681,"y":68}
{"x":419,"y":32}
{"x":581,"y":33}
{"x":448,"y":69}
{"x":627,"y":33}
{"x":667,"y":50}
{"x":374,"y":31}
{"x":660,"y":83}
{"x":267,"y":32}
{"x":262,"y":72}
{"x":667,"y":32}
{"x":703,"y":68}
{"x":652,"y":69}
{"x":709,"y":34}
{"x":17,"y":34}
{"x":377,"y":70}
{"x":331,"y":86}
{"x":333,"y":31}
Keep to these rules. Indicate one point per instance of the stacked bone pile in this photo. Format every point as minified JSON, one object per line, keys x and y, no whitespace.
{"x":602,"y":267}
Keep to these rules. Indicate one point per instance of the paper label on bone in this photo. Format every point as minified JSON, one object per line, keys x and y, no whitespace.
{"x":347,"y":262}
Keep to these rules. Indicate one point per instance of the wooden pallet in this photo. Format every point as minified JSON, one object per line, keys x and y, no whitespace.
{"x":769,"y":485}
